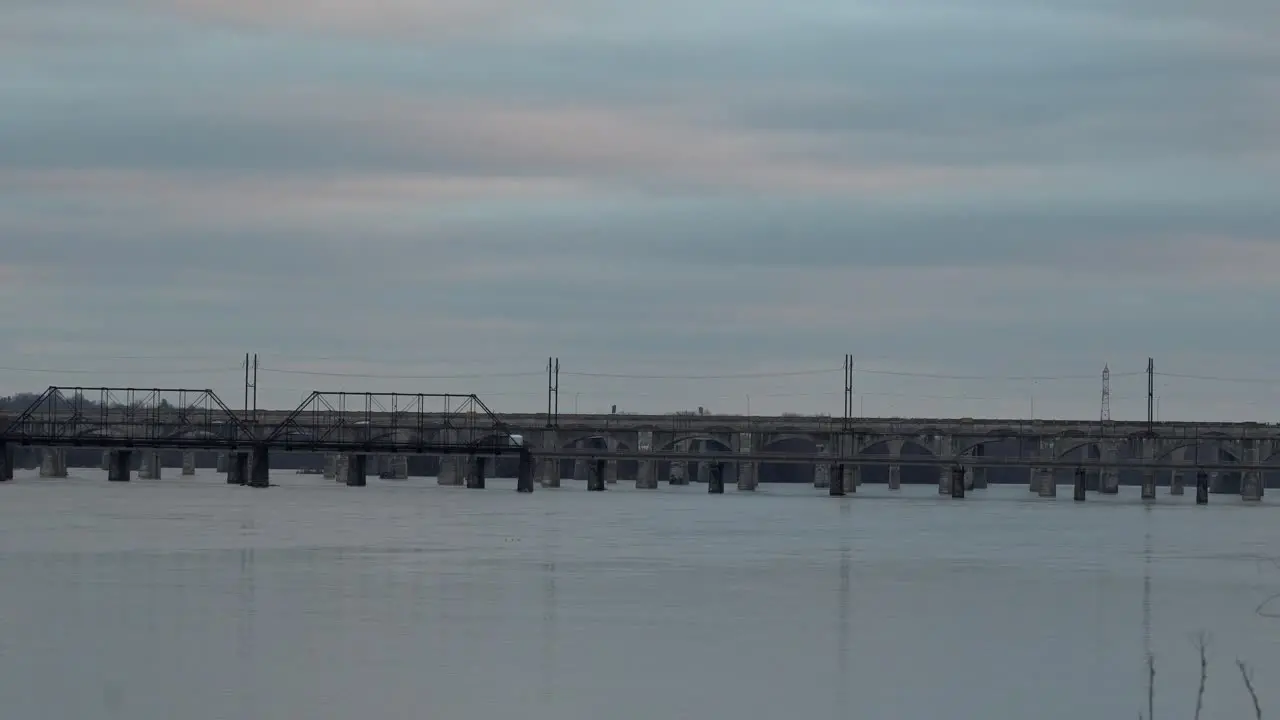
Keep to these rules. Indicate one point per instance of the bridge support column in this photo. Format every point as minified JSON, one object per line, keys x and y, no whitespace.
{"x":1250,"y":478}
{"x":715,"y":478}
{"x":238,"y":468}
{"x":1047,"y":483}
{"x":149,"y":467}
{"x":836,"y":486}
{"x":357,"y":470}
{"x":340,"y":467}
{"x":475,"y":473}
{"x":548,"y":468}
{"x":596,"y":470}
{"x":851,"y":477}
{"x":260,"y":468}
{"x":957,"y":481}
{"x":452,"y":471}
{"x":895,"y":477}
{"x":224,"y":462}
{"x":106,"y":460}
{"x":678,"y":473}
{"x":646,"y":470}
{"x":822,"y":470}
{"x":1109,"y":481}
{"x":1147,"y":451}
{"x":121,"y":462}
{"x":611,"y":467}
{"x":1080,"y":487}
{"x":1177,"y":482}
{"x":53,"y":463}
{"x":6,"y":462}
{"x":394,"y":467}
{"x":330,"y":466}
{"x":1202,"y":488}
{"x":524,"y":472}
{"x":188,"y":463}
{"x":748,"y":471}
{"x":978,"y":474}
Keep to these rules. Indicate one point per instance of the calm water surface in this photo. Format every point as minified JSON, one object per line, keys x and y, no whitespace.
{"x":185,"y":598}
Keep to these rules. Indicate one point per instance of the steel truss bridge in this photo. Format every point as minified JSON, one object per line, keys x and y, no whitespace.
{"x":393,"y":423}
{"x":169,"y":418}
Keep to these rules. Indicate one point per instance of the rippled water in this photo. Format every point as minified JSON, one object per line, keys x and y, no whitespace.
{"x":185,"y":598}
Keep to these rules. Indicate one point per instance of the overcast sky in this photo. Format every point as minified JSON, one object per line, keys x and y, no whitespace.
{"x":416,"y":188}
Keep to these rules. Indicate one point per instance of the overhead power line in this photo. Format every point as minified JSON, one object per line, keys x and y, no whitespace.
{"x":379,"y":376}
{"x":120,"y":371}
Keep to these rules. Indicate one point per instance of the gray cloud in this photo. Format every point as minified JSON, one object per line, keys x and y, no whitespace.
{"x":996,"y":187}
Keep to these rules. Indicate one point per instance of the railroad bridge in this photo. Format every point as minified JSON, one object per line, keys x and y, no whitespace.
{"x":676,"y":447}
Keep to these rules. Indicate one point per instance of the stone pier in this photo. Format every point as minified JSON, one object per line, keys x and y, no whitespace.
{"x":646,"y":470}
{"x":748,"y":470}
{"x":596,"y":470}
{"x":357,"y":470}
{"x":330,"y":466}
{"x":393,"y":467}
{"x":120,"y":463}
{"x":224,"y":462}
{"x":1177,"y":482}
{"x":188,"y":463}
{"x":340,"y":468}
{"x":958,"y":481}
{"x":548,"y":469}
{"x":895,"y":477}
{"x":1047,"y":483}
{"x":1109,"y":479}
{"x":715,"y":479}
{"x":475,"y":472}
{"x":822,"y":469}
{"x":106,"y":460}
{"x":611,"y":466}
{"x":260,"y":467}
{"x":678,"y":473}
{"x":1080,"y":488}
{"x":1147,"y":451}
{"x":452,"y":471}
{"x":238,"y":468}
{"x":852,"y":477}
{"x":1250,"y":479}
{"x":524,"y":472}
{"x":53,"y":463}
{"x":149,"y":467}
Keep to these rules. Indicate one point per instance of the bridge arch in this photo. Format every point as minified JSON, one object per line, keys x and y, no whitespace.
{"x":776,"y":472}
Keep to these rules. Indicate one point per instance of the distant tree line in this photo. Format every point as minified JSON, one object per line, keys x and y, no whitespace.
{"x":21,"y":401}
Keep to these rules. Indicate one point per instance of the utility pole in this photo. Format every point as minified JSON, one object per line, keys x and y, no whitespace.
{"x":1105,"y":418}
{"x":1151,"y":396}
{"x":848,"y":390}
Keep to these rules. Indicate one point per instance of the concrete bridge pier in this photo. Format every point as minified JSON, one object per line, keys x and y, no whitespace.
{"x":595,"y":475}
{"x":475,"y":472}
{"x":188,"y":463}
{"x":524,"y":472}
{"x":1147,"y":451}
{"x":957,"y":481}
{"x":394,"y":467}
{"x":836,"y":486}
{"x":149,"y":467}
{"x":851,"y":477}
{"x":53,"y":463}
{"x":822,"y":470}
{"x":715,"y":478}
{"x":356,"y":470}
{"x":549,"y":472}
{"x":549,"y":468}
{"x":330,"y":466}
{"x":611,"y":466}
{"x":1177,"y":482}
{"x":1109,"y":481}
{"x":224,"y":462}
{"x":747,"y":471}
{"x":1251,"y":487}
{"x":678,"y":473}
{"x":1047,"y":485}
{"x":452,"y":471}
{"x":106,"y":460}
{"x":238,"y":468}
{"x":895,"y":477}
{"x":1202,"y":488}
{"x":646,"y":470}
{"x":260,"y":467}
{"x":1080,"y":488}
{"x":120,"y":462}
{"x":340,"y":467}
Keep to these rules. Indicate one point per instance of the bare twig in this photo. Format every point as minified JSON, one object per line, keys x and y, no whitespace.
{"x":1247,"y":676}
{"x":1204,"y":673}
